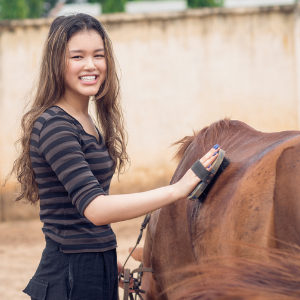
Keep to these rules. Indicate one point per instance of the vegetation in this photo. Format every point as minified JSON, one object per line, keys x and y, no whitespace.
{"x":110,"y":6}
{"x":205,"y":3}
{"x":21,"y":9}
{"x":36,"y":8}
{"x":13,"y":9}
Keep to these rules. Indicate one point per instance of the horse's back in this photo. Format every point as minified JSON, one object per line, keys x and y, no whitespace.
{"x":241,"y":204}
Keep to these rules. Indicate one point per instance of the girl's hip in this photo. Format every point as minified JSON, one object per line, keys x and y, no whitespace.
{"x":75,"y":276}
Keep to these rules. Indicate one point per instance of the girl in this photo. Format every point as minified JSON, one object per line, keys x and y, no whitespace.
{"x":67,"y":164}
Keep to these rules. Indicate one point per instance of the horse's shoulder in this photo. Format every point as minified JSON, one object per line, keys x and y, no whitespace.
{"x":286,"y":196}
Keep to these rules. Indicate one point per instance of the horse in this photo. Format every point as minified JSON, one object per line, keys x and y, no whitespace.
{"x":255,"y":201}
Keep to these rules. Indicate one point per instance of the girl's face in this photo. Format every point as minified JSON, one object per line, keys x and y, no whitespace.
{"x":85,"y":65}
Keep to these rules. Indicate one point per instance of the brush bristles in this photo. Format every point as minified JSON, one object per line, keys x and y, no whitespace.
{"x":222,"y":167}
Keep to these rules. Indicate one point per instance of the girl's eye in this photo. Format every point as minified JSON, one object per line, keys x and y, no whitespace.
{"x":76,"y":56}
{"x":99,"y":55}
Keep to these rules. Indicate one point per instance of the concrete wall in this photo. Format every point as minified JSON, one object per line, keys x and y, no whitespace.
{"x":134,"y":7}
{"x":257,"y":3}
{"x":180,"y":71}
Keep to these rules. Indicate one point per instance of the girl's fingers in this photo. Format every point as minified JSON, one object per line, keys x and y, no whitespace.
{"x":210,"y":161}
{"x":210,"y":156}
{"x":210,"y":153}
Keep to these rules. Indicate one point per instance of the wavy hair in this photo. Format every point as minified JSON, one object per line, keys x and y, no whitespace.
{"x":51,"y":87}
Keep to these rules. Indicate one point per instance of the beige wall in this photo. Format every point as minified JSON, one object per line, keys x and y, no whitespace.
{"x":180,"y":71}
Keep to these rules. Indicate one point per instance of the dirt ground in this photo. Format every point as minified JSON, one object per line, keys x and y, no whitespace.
{"x":21,"y":246}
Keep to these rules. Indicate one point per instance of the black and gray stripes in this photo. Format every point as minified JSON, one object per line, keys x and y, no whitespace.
{"x":71,"y":168}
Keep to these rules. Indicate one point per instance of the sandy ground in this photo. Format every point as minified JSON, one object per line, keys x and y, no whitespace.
{"x":21,"y":246}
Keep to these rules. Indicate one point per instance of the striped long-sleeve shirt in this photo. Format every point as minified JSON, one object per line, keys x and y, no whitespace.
{"x":71,"y":168}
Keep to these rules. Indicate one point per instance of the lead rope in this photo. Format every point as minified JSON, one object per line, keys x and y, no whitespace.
{"x":139,"y":270}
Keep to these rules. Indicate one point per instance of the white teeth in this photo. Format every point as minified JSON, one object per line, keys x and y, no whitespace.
{"x":88,"y":78}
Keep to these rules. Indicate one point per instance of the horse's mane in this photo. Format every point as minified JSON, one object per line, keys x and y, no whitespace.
{"x":205,"y":136}
{"x":276,"y":278}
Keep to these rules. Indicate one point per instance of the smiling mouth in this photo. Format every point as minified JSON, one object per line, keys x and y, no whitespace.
{"x":88,"y":78}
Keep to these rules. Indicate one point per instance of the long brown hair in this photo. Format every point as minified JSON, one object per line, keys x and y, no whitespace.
{"x":51,"y":87}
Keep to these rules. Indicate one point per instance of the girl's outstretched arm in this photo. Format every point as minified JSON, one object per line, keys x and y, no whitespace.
{"x":114,"y":208}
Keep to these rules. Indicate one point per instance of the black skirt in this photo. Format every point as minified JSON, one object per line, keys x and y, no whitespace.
{"x":74,"y":276}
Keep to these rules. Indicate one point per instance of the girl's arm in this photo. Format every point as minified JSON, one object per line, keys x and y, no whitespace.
{"x":114,"y":208}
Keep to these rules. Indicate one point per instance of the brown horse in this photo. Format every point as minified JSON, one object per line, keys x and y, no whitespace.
{"x":254,"y":201}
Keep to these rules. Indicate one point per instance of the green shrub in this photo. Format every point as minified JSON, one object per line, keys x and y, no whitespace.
{"x":205,"y":3}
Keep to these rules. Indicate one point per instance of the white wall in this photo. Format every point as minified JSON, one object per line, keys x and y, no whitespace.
{"x":256,"y":3}
{"x":155,"y":6}
{"x":180,"y":71}
{"x":93,"y":9}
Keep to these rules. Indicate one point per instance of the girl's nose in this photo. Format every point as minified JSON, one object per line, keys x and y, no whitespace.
{"x":89,"y":65}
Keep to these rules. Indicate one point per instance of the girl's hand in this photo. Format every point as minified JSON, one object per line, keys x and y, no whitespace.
{"x":121,"y":282}
{"x":190,"y":180}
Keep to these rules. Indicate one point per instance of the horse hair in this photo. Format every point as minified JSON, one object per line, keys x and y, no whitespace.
{"x":203,"y":138}
{"x":274,"y":278}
